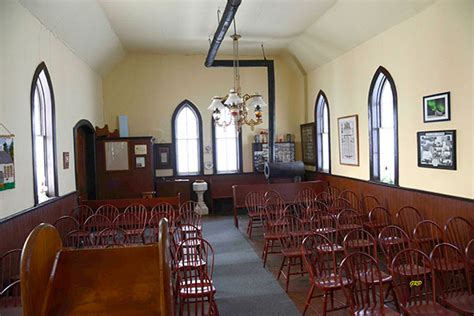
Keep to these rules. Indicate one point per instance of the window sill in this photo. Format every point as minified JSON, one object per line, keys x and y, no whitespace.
{"x":394,"y":185}
{"x":49,"y":200}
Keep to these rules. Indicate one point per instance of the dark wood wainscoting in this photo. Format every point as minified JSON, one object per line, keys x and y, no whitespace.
{"x":15,"y":229}
{"x":434,"y":206}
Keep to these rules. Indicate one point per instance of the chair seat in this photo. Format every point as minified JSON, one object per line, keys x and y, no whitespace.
{"x":325,"y":230}
{"x":461,"y":303}
{"x":431,"y":309}
{"x":273,"y":235}
{"x":326,"y":247}
{"x":196,"y":288}
{"x":393,"y":240}
{"x":448,"y":265}
{"x":188,"y":228}
{"x":371,"y":278}
{"x":349,"y":226}
{"x":376,"y":311}
{"x":330,"y":282}
{"x":195,"y":263}
{"x":405,"y":270}
{"x":292,"y":252}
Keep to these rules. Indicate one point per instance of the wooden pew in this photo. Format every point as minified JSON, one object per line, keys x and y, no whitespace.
{"x":122,"y":204}
{"x":288,"y":192}
{"x":114,"y":281}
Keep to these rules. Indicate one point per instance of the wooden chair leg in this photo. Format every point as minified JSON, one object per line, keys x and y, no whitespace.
{"x":281,"y":267}
{"x":288,"y":274}
{"x":325,"y":302}
{"x":309,"y":298}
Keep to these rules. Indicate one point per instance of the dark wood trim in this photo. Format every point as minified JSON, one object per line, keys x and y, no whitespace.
{"x":214,"y":155}
{"x":321,"y":94}
{"x":42,"y":67}
{"x":312,"y":174}
{"x":372,"y":98}
{"x":88,"y":124}
{"x":173,"y":136}
{"x":36,"y":207}
{"x":270,"y":65}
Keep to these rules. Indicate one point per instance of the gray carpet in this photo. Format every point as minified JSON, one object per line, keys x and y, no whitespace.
{"x":243,"y":286}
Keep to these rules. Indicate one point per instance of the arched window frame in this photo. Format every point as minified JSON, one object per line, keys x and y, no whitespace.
{"x":214,"y":151}
{"x":378,"y":81}
{"x":50,"y":160}
{"x":321,"y":101}
{"x":190,"y":105}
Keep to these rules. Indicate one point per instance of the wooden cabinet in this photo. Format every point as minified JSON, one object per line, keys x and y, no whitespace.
{"x":124,"y":167}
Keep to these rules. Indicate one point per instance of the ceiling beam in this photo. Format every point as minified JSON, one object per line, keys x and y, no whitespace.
{"x":227,"y":17}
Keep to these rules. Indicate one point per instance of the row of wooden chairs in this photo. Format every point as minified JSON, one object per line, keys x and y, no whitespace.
{"x":134,"y":225}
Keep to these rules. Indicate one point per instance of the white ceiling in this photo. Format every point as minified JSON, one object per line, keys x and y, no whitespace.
{"x":313,"y":31}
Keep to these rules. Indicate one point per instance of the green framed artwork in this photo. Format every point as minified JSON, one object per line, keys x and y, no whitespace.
{"x":7,"y":166}
{"x":437,"y":107}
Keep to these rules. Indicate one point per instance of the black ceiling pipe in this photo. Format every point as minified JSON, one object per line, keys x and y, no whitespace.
{"x":227,"y":17}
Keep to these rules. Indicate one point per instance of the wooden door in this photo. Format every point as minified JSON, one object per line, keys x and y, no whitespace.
{"x":85,"y":162}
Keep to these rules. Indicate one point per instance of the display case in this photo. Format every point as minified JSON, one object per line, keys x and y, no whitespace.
{"x":284,"y":152}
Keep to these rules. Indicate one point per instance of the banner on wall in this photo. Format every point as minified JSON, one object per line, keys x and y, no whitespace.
{"x":7,"y":166}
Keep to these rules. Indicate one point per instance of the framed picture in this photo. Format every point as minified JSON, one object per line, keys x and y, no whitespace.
{"x":348,"y":130}
{"x":308,"y":143}
{"x":437,"y":107}
{"x":163,"y":156}
{"x":140,"y":162}
{"x":7,"y":166}
{"x":437,"y":149}
{"x":116,"y":156}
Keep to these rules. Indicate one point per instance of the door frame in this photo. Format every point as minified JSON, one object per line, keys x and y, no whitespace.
{"x":88,"y":124}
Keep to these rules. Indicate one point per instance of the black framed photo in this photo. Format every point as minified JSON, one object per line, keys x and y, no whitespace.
{"x":163,"y":156}
{"x":437,"y":149}
{"x":437,"y":107}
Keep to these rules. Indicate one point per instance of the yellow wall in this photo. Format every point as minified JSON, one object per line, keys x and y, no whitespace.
{"x":24,"y":43}
{"x":429,"y":53}
{"x":147,"y":88}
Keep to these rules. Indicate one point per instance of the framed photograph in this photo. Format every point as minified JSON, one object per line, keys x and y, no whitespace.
{"x":437,"y":107}
{"x":348,"y":130}
{"x":163,"y":156}
{"x":437,"y":149}
{"x":140,"y":150}
{"x":140,"y":162}
{"x":7,"y":166}
{"x":308,"y":143}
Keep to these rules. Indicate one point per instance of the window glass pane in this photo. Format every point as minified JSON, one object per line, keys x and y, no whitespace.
{"x":386,"y":105}
{"x":227,"y":146}
{"x":325,"y":165}
{"x":322,"y":135}
{"x":387,"y":156}
{"x":187,"y":141}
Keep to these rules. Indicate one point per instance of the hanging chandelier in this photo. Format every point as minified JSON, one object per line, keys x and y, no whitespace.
{"x":235,"y":108}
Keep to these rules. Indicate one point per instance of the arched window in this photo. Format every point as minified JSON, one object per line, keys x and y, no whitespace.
{"x":383,"y":128}
{"x":187,"y":136}
{"x":43,"y":136}
{"x":227,"y":146}
{"x":323,"y":148}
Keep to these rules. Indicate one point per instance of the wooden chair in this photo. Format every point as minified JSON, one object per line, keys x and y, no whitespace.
{"x":321,"y":264}
{"x":151,"y":232}
{"x":306,"y":198}
{"x":352,"y":197}
{"x":188,"y":215}
{"x":140,"y":211}
{"x":79,"y":239}
{"x":254,"y":203}
{"x":408,"y":217}
{"x":459,"y":231}
{"x":9,"y":278}
{"x":291,"y":240}
{"x":112,"y":237}
{"x":65,"y":224}
{"x":326,"y":225}
{"x":81,"y":213}
{"x":469,"y":252}
{"x":367,"y":203}
{"x":272,"y":221}
{"x":379,"y":218}
{"x":348,"y":220}
{"x":195,"y":286}
{"x":95,"y":224}
{"x":272,"y":194}
{"x":364,"y":294}
{"x":393,"y":239}
{"x":131,"y":224}
{"x":340,"y":204}
{"x":333,"y":193}
{"x":426,"y":235}
{"x":453,"y":279}
{"x":415,"y":285}
{"x":165,"y":207}
{"x":109,"y":211}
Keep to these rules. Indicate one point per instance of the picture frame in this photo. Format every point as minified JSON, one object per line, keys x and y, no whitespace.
{"x":308,"y":143}
{"x":437,"y":107}
{"x":116,"y":156}
{"x":348,"y":134}
{"x":140,"y":162}
{"x":437,"y":149}
{"x":163,"y":156}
